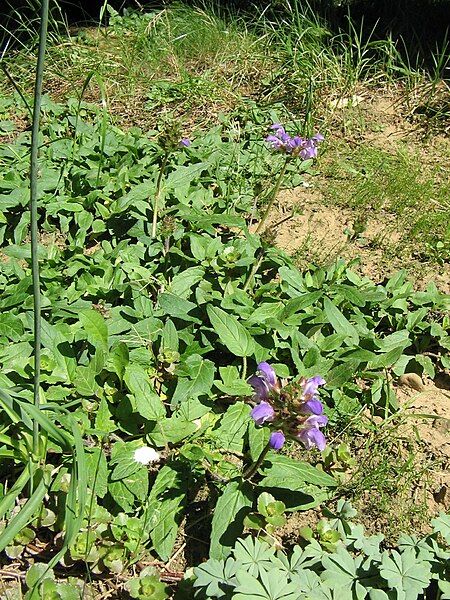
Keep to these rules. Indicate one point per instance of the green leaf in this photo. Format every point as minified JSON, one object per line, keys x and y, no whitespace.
{"x":254,"y":556}
{"x":84,"y":381}
{"x":233,"y":427}
{"x":441,"y":524}
{"x":177,"y":307}
{"x":122,"y":456}
{"x":216,"y":576}
{"x":339,"y":322}
{"x":11,"y":326}
{"x":166,"y":500}
{"x":149,"y":405}
{"x":170,"y":339}
{"x":95,"y":327}
{"x":405,"y":573}
{"x":299,"y":303}
{"x":273,"y":586}
{"x":232,"y":384}
{"x":119,"y":358}
{"x":181,"y":284}
{"x":227,"y":524}
{"x":122,"y":495}
{"x":385,"y":360}
{"x":199,"y":382}
{"x":340,"y":374}
{"x":258,"y":438}
{"x":341,"y":570}
{"x":97,"y":472}
{"x":103,"y":421}
{"x":231,"y":332}
{"x":292,"y":474}
{"x":27,"y":511}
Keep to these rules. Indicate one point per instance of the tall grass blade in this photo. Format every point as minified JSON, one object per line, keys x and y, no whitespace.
{"x":7,"y":502}
{"x":27,"y":513}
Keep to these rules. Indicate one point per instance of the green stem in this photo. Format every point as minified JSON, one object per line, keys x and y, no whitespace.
{"x":259,"y":258}
{"x":158,"y":192}
{"x":34,"y":215}
{"x":251,"y":470}
{"x":275,"y":191}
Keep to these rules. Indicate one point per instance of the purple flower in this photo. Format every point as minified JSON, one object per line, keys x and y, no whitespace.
{"x":316,"y":421}
{"x":260,"y":387}
{"x":262,"y":413}
{"x":308,"y":152}
{"x":297,"y":146}
{"x":186,"y":142}
{"x":264,"y":381}
{"x":277,"y":440}
{"x":310,"y":435}
{"x":312,"y":438}
{"x":311,"y":386}
{"x":313,"y":406}
{"x":267,"y":372}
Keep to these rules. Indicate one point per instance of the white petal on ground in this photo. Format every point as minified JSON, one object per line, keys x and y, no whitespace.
{"x":146,"y":455}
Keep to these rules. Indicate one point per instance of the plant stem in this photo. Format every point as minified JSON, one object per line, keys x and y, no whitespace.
{"x":34,"y":215}
{"x":259,"y":258}
{"x":251,"y":470}
{"x":157,"y":193}
{"x":275,"y":191}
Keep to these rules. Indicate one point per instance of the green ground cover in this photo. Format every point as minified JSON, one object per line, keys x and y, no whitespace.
{"x":159,"y":300}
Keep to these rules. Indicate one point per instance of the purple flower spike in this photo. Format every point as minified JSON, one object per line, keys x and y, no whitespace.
{"x":267,"y":372}
{"x":186,"y":142}
{"x":277,"y":440}
{"x":312,"y":438}
{"x":262,"y":413}
{"x":313,"y":406}
{"x":296,"y":146}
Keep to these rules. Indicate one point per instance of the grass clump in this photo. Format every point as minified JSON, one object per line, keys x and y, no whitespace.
{"x":178,"y":58}
{"x":400,"y":191}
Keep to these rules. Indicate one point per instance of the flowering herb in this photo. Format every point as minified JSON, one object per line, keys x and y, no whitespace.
{"x":295,"y":409}
{"x":291,"y":146}
{"x":185,"y":142}
{"x":281,"y":141}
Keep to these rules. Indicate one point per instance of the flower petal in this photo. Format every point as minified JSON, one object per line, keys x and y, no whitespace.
{"x":260,"y":387}
{"x":314,"y":406}
{"x":277,"y":440}
{"x":316,"y":421}
{"x":311,"y":438}
{"x":310,"y":386}
{"x":267,"y":372}
{"x":262,"y":413}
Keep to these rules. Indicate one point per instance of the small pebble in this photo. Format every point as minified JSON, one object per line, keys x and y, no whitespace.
{"x":412,"y":380}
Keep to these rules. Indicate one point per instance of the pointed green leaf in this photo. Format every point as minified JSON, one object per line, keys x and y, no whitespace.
{"x":231,"y":332}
